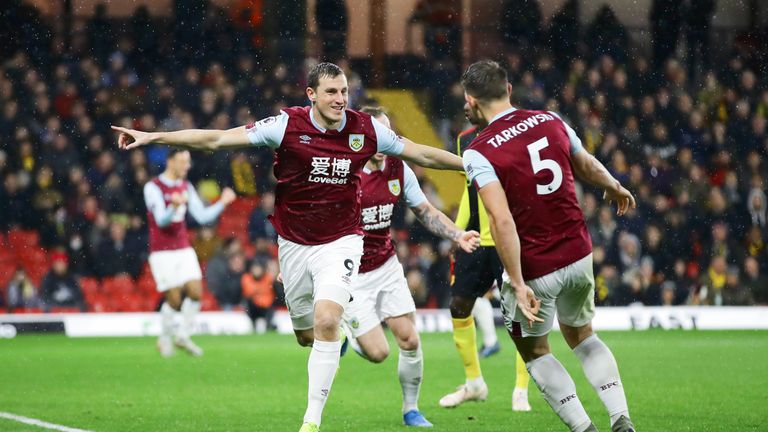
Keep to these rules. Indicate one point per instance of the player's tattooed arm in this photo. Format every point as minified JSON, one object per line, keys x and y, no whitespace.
{"x":442,"y":226}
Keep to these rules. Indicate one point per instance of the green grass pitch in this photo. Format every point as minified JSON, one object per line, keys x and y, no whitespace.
{"x":674,"y":380}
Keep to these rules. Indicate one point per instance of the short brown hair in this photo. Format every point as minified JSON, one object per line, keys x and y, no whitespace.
{"x":373,"y":111}
{"x":322,"y":70}
{"x":173,"y":151}
{"x":485,"y":80}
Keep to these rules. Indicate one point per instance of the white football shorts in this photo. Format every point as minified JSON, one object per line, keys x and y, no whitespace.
{"x":378,"y":294}
{"x":317,"y":272}
{"x":174,"y":268}
{"x":569,"y":292}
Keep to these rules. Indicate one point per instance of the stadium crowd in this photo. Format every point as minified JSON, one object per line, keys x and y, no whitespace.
{"x":688,"y":138}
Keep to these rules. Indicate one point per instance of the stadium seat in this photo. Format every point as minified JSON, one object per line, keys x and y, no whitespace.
{"x":7,"y":269}
{"x":208,"y":302}
{"x":19,"y":240}
{"x":131,"y":303}
{"x":63,"y":309}
{"x":118,"y":285}
{"x":6,"y":255}
{"x":90,"y":288}
{"x":153,"y":301}
{"x":243,"y":206}
{"x":146,"y":283}
{"x":234,"y":221}
{"x":34,"y":256}
{"x":28,"y":310}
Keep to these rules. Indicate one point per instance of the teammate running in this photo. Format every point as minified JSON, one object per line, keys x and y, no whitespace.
{"x":523,"y":164}
{"x":320,"y":152}
{"x":381,"y":292}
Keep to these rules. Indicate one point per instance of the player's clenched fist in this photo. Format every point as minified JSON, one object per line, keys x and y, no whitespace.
{"x":469,"y":241}
{"x":227,"y":196}
{"x":178,"y":199}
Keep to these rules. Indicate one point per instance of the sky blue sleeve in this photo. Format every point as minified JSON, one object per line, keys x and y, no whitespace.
{"x":387,"y":141}
{"x":202,"y":214}
{"x":576,"y":145}
{"x":268,"y":132}
{"x":412,"y":192}
{"x":153,"y":198}
{"x":478,"y":169}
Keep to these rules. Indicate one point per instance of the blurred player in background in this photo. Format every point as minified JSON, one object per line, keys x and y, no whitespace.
{"x":172,"y":260}
{"x":381,"y":292}
{"x":473,"y":276}
{"x":320,"y":152}
{"x":523,"y":164}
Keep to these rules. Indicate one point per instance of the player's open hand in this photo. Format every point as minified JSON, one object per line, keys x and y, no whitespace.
{"x":131,"y":138}
{"x":227,"y":196}
{"x":469,"y":241}
{"x":528,"y":304}
{"x":623,"y":198}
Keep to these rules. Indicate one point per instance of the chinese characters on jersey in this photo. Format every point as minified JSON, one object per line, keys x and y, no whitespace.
{"x":330,"y":170}
{"x":377,"y":217}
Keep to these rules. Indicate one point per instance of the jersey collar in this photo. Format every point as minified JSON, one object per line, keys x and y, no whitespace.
{"x":324,"y":130}
{"x":502,"y":114}
{"x":168,"y":182}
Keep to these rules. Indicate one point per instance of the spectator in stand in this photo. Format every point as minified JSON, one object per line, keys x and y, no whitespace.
{"x":224,"y":272}
{"x":15,"y":211}
{"x":259,"y":295}
{"x":735,"y":293}
{"x":21,"y":293}
{"x":259,"y":225}
{"x":712,"y":282}
{"x":119,"y":254}
{"x":755,"y":281}
{"x":60,"y":288}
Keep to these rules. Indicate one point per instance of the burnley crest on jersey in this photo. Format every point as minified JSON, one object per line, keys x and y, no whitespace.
{"x":394,"y":187}
{"x":356,"y":141}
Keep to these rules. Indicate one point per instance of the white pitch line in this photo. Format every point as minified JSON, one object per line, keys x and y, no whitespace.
{"x":39,"y":423}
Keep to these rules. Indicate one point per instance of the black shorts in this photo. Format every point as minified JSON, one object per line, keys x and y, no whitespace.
{"x":474,"y":273}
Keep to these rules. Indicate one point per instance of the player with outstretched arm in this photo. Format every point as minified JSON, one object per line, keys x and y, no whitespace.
{"x":319,"y":153}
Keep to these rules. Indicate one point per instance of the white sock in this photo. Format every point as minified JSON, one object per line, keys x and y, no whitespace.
{"x":559,"y":391}
{"x":602,"y":372}
{"x":189,"y":311}
{"x":410,"y":369}
{"x":167,"y":314}
{"x":475,"y":384}
{"x":260,"y":325}
{"x":322,"y":365}
{"x":483,"y":313}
